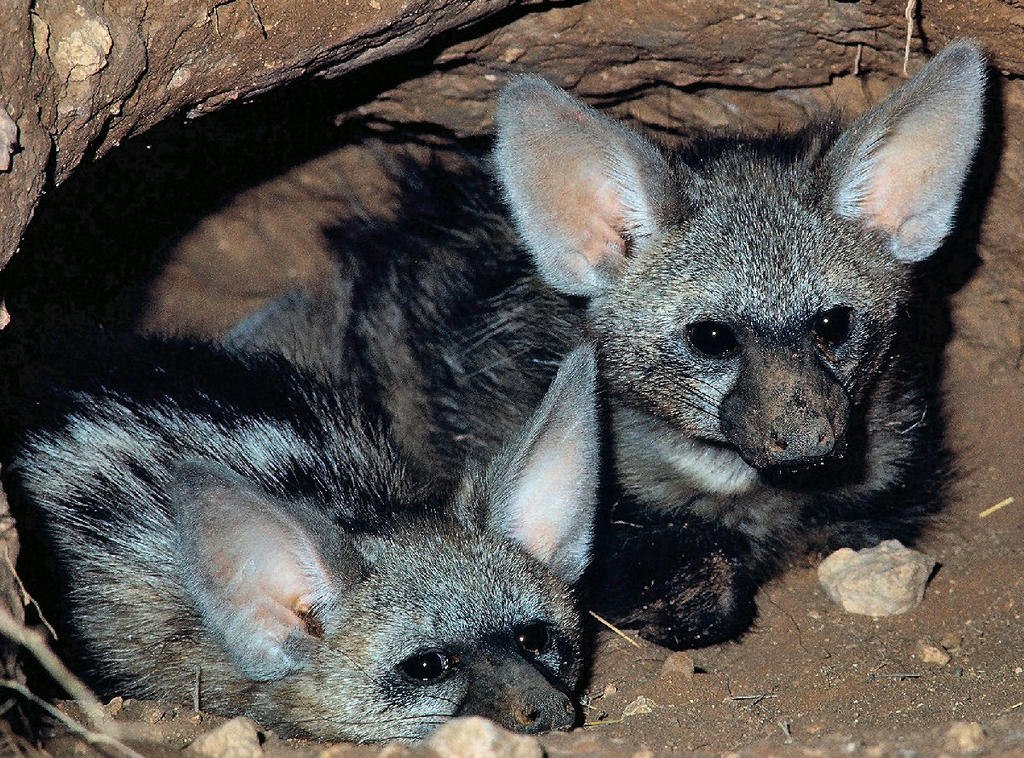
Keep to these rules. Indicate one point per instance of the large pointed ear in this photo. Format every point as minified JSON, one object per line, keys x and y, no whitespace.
{"x":254,"y":570}
{"x":581,"y":187}
{"x":901,"y":166}
{"x":543,"y":484}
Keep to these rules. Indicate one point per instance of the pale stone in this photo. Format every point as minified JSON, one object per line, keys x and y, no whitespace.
{"x":966,"y":735}
{"x":878,"y":581}
{"x":678,"y":665}
{"x":929,"y":653}
{"x":476,"y":737}
{"x":638,"y":706}
{"x":84,"y":50}
{"x":8,"y":139}
{"x":237,"y":738}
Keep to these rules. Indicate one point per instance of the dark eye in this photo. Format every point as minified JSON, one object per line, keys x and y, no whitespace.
{"x":532,"y":638}
{"x":713,"y":339}
{"x":832,"y":327}
{"x":426,"y":667}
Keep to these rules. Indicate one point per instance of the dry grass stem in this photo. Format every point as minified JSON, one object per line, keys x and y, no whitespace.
{"x":618,"y":631}
{"x":93,"y":738}
{"x":36,"y":644}
{"x":998,"y":506}
{"x":26,"y":598}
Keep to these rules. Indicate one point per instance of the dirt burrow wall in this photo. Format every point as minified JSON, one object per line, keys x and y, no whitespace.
{"x":79,"y":77}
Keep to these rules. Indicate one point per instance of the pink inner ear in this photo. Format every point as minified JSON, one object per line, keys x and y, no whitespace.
{"x":912,"y":175}
{"x":544,"y":498}
{"x":895,"y":192}
{"x":610,"y":219}
{"x":267,"y":566}
{"x":272,"y":616}
{"x":585,"y":207}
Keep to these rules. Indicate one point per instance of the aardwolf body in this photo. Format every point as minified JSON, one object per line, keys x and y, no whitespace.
{"x":230,"y":526}
{"x":752,"y":304}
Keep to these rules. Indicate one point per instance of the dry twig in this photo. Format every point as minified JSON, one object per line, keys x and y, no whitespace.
{"x":35,"y":643}
{"x":93,"y":738}
{"x":909,"y":12}
{"x":618,"y":631}
{"x":26,"y":598}
{"x":106,"y":732}
{"x":998,"y":506}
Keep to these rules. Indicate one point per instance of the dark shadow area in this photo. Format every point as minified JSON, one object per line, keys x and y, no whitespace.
{"x":98,"y":239}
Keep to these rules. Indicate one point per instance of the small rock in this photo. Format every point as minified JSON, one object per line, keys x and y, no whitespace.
{"x":878,"y":581}
{"x":237,"y":738}
{"x":8,"y":139}
{"x":638,"y":706}
{"x":115,"y":706}
{"x":394,"y":750}
{"x":643,"y":753}
{"x":678,"y":665}
{"x":967,"y":735}
{"x":609,"y":690}
{"x":345,"y":750}
{"x":951,"y":641}
{"x":929,"y":653}
{"x":476,"y":737}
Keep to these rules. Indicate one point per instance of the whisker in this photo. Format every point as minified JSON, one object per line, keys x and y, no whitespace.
{"x":438,"y":718}
{"x":410,"y":737}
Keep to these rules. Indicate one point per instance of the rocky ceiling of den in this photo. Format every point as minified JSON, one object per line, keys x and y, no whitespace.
{"x":79,"y":78}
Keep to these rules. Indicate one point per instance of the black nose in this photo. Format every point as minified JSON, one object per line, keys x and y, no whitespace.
{"x":806,"y":442}
{"x":542,"y":711}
